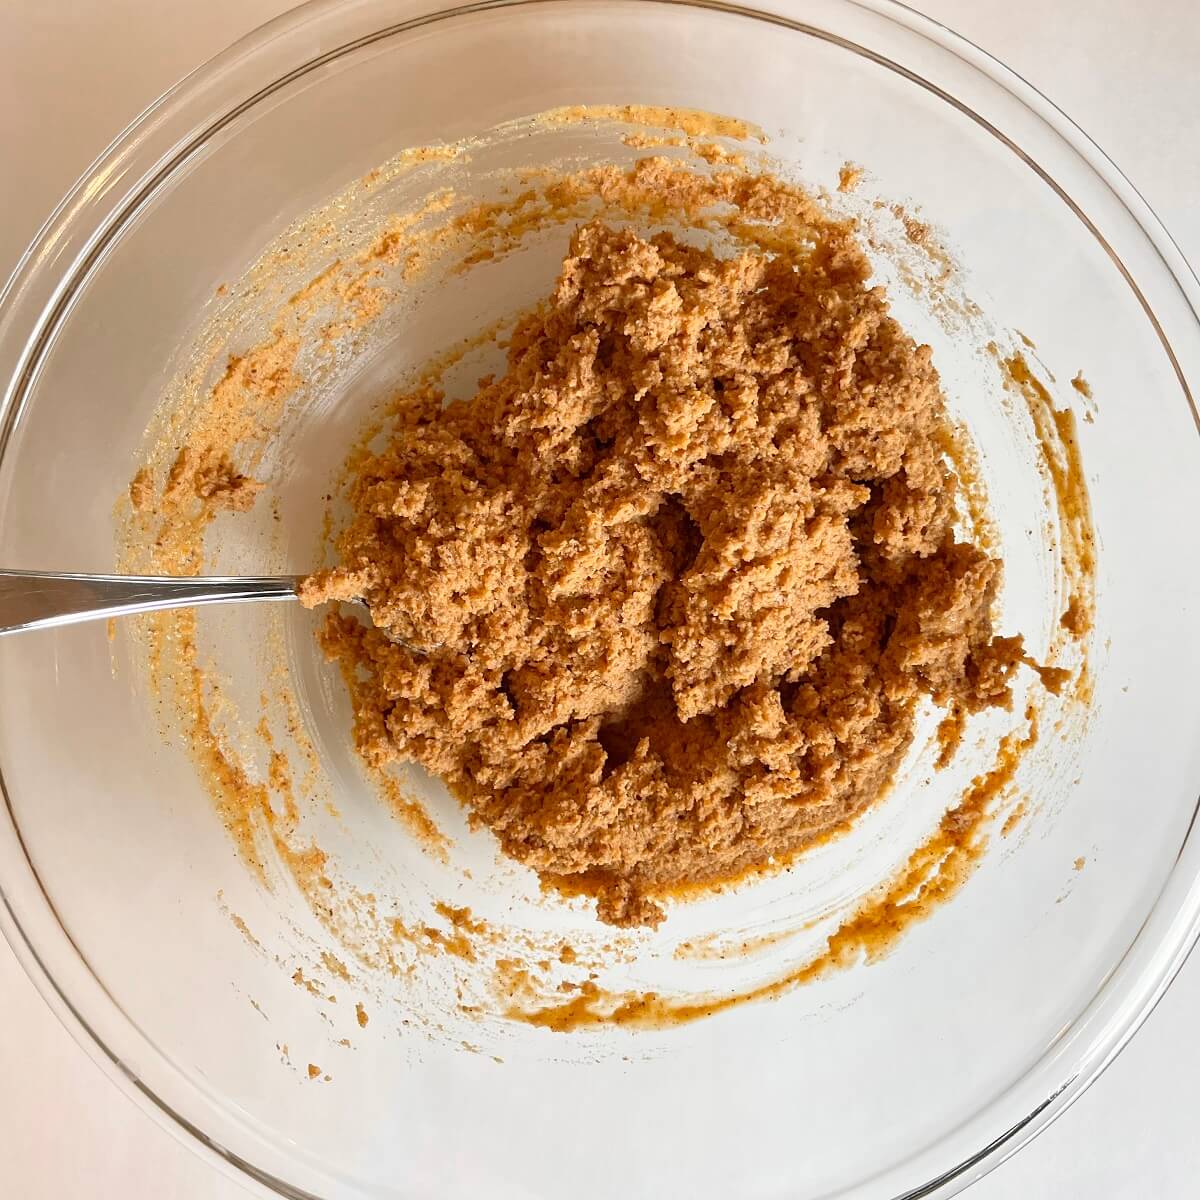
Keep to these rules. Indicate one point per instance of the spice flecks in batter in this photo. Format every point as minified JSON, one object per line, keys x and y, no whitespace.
{"x":678,"y":576}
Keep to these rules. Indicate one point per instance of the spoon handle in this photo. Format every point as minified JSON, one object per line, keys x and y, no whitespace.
{"x":39,"y":600}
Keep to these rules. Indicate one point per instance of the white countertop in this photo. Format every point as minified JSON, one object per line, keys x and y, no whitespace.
{"x":73,"y":72}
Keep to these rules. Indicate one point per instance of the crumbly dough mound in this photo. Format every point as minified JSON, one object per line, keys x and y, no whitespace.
{"x":659,"y":603}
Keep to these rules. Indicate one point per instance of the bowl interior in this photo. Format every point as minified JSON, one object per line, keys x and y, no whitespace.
{"x":869,"y":1081}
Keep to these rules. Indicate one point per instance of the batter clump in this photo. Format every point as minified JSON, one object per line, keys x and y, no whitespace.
{"x":660,"y":602}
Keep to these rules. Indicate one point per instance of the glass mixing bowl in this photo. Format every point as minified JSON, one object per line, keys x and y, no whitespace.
{"x":908,"y":1076}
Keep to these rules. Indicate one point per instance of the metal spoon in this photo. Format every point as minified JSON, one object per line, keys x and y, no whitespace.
{"x":41,"y":600}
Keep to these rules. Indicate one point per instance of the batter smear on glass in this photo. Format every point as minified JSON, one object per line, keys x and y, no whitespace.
{"x":660,"y":602}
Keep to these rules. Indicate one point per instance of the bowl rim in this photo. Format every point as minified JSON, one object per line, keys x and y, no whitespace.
{"x":38,"y":297}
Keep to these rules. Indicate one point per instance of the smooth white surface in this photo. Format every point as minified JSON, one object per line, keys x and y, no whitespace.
{"x":71,"y":76}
